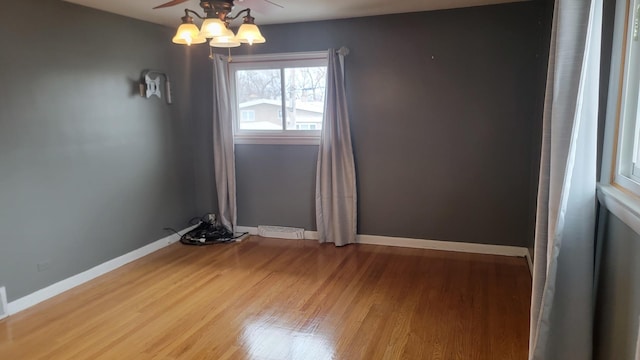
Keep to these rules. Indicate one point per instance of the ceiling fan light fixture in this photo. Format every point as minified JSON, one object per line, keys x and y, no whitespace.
{"x":212,"y":27}
{"x":248,"y":33}
{"x":188,"y":33}
{"x":215,"y":25}
{"x":226,"y":40}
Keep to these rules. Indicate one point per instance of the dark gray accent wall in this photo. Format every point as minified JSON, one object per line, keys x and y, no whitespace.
{"x":276,"y":185}
{"x":618,"y":293}
{"x":89,"y":170}
{"x":544,"y":39}
{"x":445,"y":118}
{"x":200,"y":110}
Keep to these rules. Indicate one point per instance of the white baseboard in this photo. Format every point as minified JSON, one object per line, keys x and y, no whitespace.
{"x":423,"y":244}
{"x":529,"y":262}
{"x":4,"y":307}
{"x":248,"y":229}
{"x":67,"y":284}
{"x":443,"y":245}
{"x":311,"y":235}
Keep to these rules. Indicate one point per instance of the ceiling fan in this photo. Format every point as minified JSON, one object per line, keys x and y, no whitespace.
{"x":215,"y":25}
{"x":262,"y":6}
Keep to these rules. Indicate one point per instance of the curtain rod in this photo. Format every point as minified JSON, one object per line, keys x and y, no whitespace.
{"x":343,"y":51}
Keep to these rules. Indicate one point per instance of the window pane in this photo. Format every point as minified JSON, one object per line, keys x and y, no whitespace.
{"x":304,"y":87}
{"x":635,"y":169}
{"x":259,"y":100}
{"x":631,"y":112}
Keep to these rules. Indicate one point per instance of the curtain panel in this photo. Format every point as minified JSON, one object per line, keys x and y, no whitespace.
{"x":562,"y":297}
{"x":336,"y":200}
{"x":223,"y":145}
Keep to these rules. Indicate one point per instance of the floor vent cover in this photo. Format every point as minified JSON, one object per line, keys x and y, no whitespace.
{"x":4,"y":308}
{"x":280,"y":232}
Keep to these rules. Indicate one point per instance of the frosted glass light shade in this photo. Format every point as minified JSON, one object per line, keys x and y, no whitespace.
{"x":226,"y":40}
{"x":212,"y":27}
{"x":188,"y":34}
{"x":250,"y":34}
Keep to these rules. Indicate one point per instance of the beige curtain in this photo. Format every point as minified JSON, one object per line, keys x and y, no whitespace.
{"x":562,"y":298}
{"x":336,"y":175}
{"x":223,"y":146}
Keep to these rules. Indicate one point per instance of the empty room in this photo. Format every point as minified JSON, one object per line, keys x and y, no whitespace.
{"x":320,"y":179}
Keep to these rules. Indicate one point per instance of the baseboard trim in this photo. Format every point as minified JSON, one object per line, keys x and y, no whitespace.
{"x":50,"y":291}
{"x":503,"y":250}
{"x":4,"y":306}
{"x":247,"y":229}
{"x":443,"y":245}
{"x":529,"y":262}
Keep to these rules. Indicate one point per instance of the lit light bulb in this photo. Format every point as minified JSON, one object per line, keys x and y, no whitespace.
{"x":188,"y":34}
{"x":248,"y":33}
{"x":227,"y":40}
{"x":212,"y":28}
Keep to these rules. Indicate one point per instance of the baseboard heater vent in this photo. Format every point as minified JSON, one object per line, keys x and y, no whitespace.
{"x":4,"y":308}
{"x":280,"y":232}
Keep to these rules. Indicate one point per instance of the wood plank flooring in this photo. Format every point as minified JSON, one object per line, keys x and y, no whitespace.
{"x":285,"y":299}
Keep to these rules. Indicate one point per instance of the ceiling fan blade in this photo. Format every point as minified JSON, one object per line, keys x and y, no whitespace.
{"x":261,"y":6}
{"x":273,"y":3}
{"x":170,"y":3}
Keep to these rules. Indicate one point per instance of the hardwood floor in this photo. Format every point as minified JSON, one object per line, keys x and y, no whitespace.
{"x":285,"y":299}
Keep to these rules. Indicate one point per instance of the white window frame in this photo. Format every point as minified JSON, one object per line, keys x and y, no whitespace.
{"x":273,"y":61}
{"x":619,"y":189}
{"x":628,"y":120}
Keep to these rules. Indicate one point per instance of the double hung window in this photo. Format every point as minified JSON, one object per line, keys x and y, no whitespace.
{"x":279,"y":98}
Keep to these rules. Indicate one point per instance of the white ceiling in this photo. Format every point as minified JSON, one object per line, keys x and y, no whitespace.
{"x":293,"y":11}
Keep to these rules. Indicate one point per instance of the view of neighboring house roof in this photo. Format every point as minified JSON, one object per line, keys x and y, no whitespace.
{"x":311,"y":106}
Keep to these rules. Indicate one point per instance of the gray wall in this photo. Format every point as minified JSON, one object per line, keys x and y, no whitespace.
{"x":445,"y":110}
{"x":618,"y":301}
{"x":88,"y":169}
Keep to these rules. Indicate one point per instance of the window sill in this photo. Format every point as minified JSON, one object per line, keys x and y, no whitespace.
{"x":277,"y":140}
{"x":623,"y":205}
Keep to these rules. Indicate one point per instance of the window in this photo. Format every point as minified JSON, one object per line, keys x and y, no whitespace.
{"x":279,"y":98}
{"x":627,"y":164}
{"x":619,"y":190}
{"x":247,"y":116}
